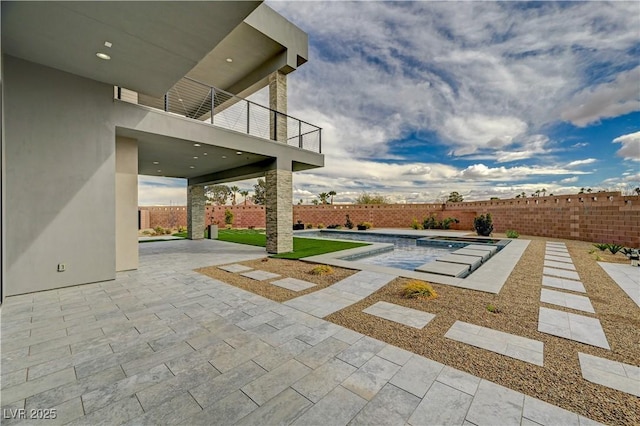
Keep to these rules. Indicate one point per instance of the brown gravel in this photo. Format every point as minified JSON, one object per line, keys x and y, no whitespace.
{"x":286,"y":268}
{"x":558,"y":382}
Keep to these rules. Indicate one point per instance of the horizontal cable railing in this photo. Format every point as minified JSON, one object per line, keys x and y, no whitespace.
{"x":192,"y":99}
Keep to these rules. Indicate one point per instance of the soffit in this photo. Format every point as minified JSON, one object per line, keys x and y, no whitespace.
{"x":154,"y":43}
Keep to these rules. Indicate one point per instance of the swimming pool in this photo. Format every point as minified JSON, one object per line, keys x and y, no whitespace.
{"x":405,"y":254}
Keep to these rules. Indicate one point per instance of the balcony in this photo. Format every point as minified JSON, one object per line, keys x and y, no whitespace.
{"x":195,"y":100}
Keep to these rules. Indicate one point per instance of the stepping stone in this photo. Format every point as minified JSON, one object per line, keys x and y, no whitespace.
{"x":562,"y":273}
{"x":260,"y":275}
{"x":612,"y":374}
{"x":396,"y":313}
{"x":510,"y":345}
{"x":563,"y":284}
{"x":472,"y":261}
{"x":554,"y":244}
{"x":559,"y":265}
{"x":573,"y":327}
{"x":235,"y":268}
{"x":480,"y":247}
{"x":557,"y":252}
{"x":484,"y":255}
{"x":293,"y":284}
{"x":564,"y":259}
{"x":443,"y":268}
{"x":573,"y":301}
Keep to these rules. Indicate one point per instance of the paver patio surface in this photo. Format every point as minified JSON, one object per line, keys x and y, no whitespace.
{"x":400,"y":314}
{"x":627,"y":277}
{"x":616,"y":375}
{"x":166,"y":345}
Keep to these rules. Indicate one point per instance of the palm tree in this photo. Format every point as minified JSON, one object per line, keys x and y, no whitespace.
{"x":544,"y":191}
{"x":581,"y":191}
{"x":589,"y":190}
{"x":323,"y":197}
{"x":523,"y":194}
{"x":637,"y":191}
{"x":537,"y":192}
{"x":332,"y":194}
{"x":244,"y":193}
{"x":234,"y":190}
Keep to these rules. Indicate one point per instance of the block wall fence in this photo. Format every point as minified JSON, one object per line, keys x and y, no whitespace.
{"x":602,"y":217}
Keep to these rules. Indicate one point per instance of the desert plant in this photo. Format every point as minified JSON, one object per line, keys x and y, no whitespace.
{"x":309,"y":226}
{"x":614,"y":248}
{"x":418,"y":289}
{"x":321,"y":270}
{"x":627,"y":251}
{"x":601,"y":246}
{"x":228,"y":217}
{"x":512,"y":233}
{"x":415,"y":224}
{"x":320,"y":225}
{"x":348,"y":224}
{"x":483,"y":225}
{"x":182,"y":229}
{"x":447,"y":221}
{"x":159,"y":230}
{"x":493,"y":309}
{"x":430,"y":222}
{"x":363,"y":226}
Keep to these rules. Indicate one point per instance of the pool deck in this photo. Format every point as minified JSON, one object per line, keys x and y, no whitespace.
{"x":166,"y":345}
{"x":490,"y":277}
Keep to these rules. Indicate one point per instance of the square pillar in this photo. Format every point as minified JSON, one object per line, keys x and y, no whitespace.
{"x":278,"y":102}
{"x":195,"y":212}
{"x":279,"y":210}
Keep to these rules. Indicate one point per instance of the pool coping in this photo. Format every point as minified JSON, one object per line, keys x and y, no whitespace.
{"x":486,"y":279}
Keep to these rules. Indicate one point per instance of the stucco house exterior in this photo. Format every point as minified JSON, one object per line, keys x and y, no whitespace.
{"x":96,"y":93}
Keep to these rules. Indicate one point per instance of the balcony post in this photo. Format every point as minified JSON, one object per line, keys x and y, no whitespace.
{"x":166,"y":102}
{"x":299,"y":134}
{"x":278,"y":102}
{"x":213,"y":102}
{"x":248,"y":117}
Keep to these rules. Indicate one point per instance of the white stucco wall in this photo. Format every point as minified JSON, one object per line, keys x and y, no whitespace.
{"x":126,"y":203}
{"x":60,"y":178}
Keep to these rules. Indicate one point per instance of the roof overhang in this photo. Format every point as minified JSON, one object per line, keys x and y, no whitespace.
{"x":154,"y":44}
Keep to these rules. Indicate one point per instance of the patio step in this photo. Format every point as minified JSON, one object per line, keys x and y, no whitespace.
{"x":444,"y":268}
{"x":472,"y":261}
{"x":482,"y":254}
{"x":479,"y":247}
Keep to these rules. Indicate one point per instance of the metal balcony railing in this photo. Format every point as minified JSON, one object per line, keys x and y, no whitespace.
{"x":193,"y":99}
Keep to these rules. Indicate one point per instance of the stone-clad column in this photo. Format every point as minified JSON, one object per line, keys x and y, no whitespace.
{"x":278,"y":102}
{"x":279,"y":210}
{"x":195,"y":212}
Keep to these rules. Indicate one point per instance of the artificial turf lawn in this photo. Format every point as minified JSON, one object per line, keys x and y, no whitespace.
{"x":302,"y":247}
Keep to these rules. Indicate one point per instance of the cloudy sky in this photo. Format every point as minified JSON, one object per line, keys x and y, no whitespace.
{"x":418,"y":99}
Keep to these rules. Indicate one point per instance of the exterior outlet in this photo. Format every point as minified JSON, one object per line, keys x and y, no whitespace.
{"x":62,"y":267}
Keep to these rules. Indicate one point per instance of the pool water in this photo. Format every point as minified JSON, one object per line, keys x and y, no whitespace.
{"x":406,"y":254}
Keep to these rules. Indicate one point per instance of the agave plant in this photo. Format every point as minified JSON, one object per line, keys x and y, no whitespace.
{"x":614,"y":248}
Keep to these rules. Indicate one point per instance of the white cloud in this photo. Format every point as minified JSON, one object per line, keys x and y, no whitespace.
{"x":581,"y":162}
{"x":482,"y":172}
{"x":630,"y":146}
{"x":570,"y":179}
{"x":161,"y":191}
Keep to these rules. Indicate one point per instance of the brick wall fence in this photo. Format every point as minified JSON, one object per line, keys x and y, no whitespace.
{"x":601,"y":217}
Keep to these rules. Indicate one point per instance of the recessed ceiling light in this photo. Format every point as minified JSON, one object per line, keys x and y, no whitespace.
{"x":239,"y":152}
{"x":156,"y":162}
{"x":195,"y":158}
{"x":204,"y":153}
{"x":229,"y":60}
{"x":196,"y":144}
{"x":224,"y":156}
{"x":192,"y":167}
{"x":103,"y":56}
{"x":108,"y":44}
{"x":159,"y":171}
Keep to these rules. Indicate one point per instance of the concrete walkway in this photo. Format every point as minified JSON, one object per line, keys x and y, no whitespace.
{"x":166,"y":345}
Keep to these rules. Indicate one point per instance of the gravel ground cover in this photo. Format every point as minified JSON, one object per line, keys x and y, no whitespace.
{"x":558,"y":382}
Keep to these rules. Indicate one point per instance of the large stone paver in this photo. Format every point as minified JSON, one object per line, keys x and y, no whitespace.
{"x":563,"y":284}
{"x":626,"y":276}
{"x":561,"y":273}
{"x":293,"y":284}
{"x":510,"y":345}
{"x":400,"y":314}
{"x":235,"y":268}
{"x":189,"y":349}
{"x":559,"y":265}
{"x":571,"y":326}
{"x":259,"y":275}
{"x":573,"y":301}
{"x":613,"y":374}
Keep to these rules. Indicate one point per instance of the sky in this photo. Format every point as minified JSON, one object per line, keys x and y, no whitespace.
{"x":419,"y":99}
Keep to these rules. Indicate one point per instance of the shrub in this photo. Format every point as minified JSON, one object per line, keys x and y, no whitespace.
{"x":252,"y":227}
{"x":320,"y":225}
{"x":418,"y":289}
{"x":601,"y":246}
{"x":348,"y":224}
{"x":415,"y":224}
{"x":228,"y":217}
{"x":512,"y":234}
{"x":321,"y":270}
{"x":159,"y":230}
{"x":182,"y":229}
{"x":493,"y":309}
{"x":614,"y":248}
{"x":365,"y":225}
{"x":430,"y":222}
{"x":309,"y":226}
{"x":447,"y":221}
{"x":483,"y":225}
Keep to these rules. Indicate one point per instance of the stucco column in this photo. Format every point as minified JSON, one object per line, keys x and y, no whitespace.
{"x":279,"y":210}
{"x":278,"y":102}
{"x":195,"y":212}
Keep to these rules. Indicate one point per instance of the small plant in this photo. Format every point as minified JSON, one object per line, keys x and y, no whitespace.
{"x":483,"y":225}
{"x":159,"y":230}
{"x":627,"y":251}
{"x":321,"y":270}
{"x":321,"y":226}
{"x":228,"y":217}
{"x":418,"y":289}
{"x":363,"y":226}
{"x":182,"y":229}
{"x":447,"y":221}
{"x":493,"y":309}
{"x":252,"y":227}
{"x":614,"y":248}
{"x":415,"y":224}
{"x":601,"y":246}
{"x":348,"y":224}
{"x":309,"y":226}
{"x":430,"y":222}
{"x":512,"y":233}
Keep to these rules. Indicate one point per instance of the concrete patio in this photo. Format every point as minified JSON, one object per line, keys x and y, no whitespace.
{"x":166,"y":345}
